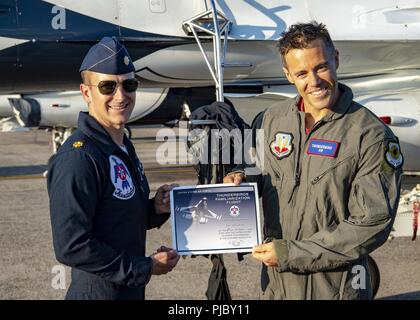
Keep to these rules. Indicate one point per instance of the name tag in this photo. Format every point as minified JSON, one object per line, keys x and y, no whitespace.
{"x":323,"y":148}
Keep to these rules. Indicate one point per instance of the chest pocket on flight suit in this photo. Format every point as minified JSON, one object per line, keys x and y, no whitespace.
{"x":271,"y":208}
{"x":278,"y":186}
{"x":340,"y":168}
{"x":329,"y":190}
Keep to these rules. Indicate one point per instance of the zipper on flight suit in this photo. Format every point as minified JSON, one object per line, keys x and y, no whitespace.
{"x":298,"y":162}
{"x":297,"y":167}
{"x":317,"y":125}
{"x":133,"y":170}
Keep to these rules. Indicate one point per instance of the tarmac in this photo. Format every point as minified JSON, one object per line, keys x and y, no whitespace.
{"x":27,"y":259}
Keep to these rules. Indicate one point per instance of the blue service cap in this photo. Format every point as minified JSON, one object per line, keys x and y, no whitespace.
{"x":108,"y":56}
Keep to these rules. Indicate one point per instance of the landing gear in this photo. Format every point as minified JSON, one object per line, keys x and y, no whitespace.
{"x":59,"y":136}
{"x":211,"y":23}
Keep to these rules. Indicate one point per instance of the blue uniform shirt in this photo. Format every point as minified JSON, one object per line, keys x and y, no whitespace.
{"x":100,"y":211}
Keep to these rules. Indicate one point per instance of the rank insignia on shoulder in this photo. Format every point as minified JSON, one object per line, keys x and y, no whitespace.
{"x":78,"y":144}
{"x":393,"y":155}
{"x":282,"y":145}
{"x":126,"y":60}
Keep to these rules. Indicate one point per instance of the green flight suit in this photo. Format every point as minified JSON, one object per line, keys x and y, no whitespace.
{"x":325,"y":213}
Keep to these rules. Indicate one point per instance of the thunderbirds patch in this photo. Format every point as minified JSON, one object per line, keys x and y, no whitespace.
{"x":121,"y":179}
{"x":393,"y":155}
{"x":234,"y":211}
{"x":282,"y":145}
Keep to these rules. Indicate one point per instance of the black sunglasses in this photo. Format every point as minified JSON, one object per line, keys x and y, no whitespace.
{"x":108,"y":87}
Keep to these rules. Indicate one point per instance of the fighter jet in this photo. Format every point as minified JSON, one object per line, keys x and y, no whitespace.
{"x":186,"y":50}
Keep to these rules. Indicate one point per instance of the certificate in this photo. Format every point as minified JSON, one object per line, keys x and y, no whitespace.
{"x":215,"y":218}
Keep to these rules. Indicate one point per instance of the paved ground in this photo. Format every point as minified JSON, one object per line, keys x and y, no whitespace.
{"x":27,"y":259}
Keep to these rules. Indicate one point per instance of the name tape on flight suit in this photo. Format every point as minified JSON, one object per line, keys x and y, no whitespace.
{"x":324,"y":148}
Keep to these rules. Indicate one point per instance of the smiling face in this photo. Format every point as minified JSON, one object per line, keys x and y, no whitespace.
{"x":111,"y":111}
{"x":313,"y":70}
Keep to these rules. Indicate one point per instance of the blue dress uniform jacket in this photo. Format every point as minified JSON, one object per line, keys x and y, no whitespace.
{"x":100,"y":211}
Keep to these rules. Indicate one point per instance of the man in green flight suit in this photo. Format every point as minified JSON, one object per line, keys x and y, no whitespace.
{"x":330,"y":179}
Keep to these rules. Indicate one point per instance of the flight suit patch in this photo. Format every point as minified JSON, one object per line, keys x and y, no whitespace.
{"x":121,"y":179}
{"x":323,"y":148}
{"x":282,"y":145}
{"x":393,"y":155}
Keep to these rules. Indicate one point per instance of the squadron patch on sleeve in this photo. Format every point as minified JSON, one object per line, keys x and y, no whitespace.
{"x":121,"y":179}
{"x":282,"y":145}
{"x":393,"y":155}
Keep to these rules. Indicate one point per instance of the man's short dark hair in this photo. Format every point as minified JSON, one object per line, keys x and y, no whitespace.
{"x":299,"y":36}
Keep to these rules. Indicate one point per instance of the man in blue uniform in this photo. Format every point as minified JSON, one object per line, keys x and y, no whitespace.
{"x":99,"y":195}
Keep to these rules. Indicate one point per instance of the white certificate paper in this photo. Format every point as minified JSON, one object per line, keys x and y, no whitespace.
{"x":215,"y":218}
